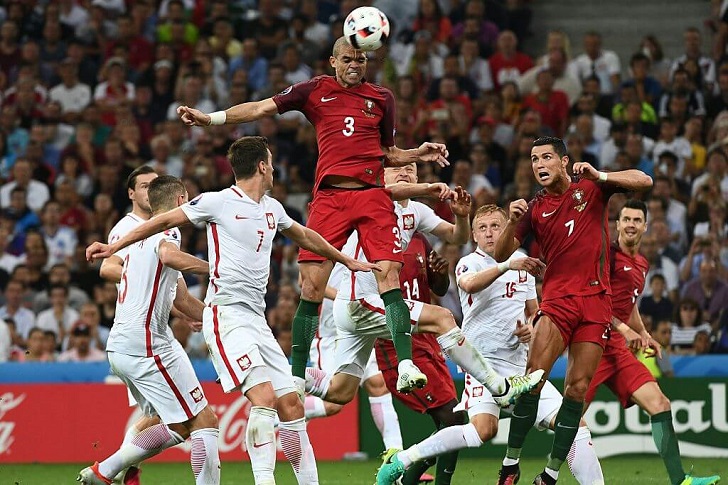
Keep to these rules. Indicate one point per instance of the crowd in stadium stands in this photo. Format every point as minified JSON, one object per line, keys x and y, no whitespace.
{"x":89,"y":89}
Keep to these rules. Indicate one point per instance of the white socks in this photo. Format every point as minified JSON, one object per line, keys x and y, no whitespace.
{"x":447,"y":439}
{"x":146,"y":444}
{"x":459,"y":350}
{"x":204,"y":456}
{"x":583,"y":461}
{"x":298,"y":450}
{"x":260,"y":439}
{"x":317,"y":382}
{"x":386,"y":420}
{"x":313,"y":407}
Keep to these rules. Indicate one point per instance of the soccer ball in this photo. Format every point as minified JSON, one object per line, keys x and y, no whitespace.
{"x":366,"y":28}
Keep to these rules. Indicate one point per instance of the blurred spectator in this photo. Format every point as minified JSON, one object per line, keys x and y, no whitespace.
{"x":174,"y":14}
{"x":648,"y":88}
{"x":36,"y":350}
{"x":452,"y":67}
{"x":9,"y":46}
{"x":708,"y":290}
{"x":50,"y":344}
{"x":191,"y":95}
{"x":688,"y":322}
{"x":587,"y":105}
{"x":716,"y":170}
{"x":295,"y":70}
{"x":660,"y":66}
{"x":716,"y":227}
{"x":6,"y":341}
{"x":628,"y":94}
{"x":701,"y":343}
{"x":140,"y":50}
{"x":656,"y":305}
{"x":73,"y":173}
{"x":72,"y":94}
{"x":474,"y":183}
{"x":556,"y":63}
{"x":164,"y":162}
{"x":268,"y":28}
{"x":676,"y":212}
{"x":253,"y":63}
{"x":36,"y":192}
{"x":553,"y":105}
{"x":476,"y":22}
{"x":660,"y":367}
{"x":598,"y":62}
{"x":60,"y":317}
{"x":24,"y":319}
{"x":507,"y":64}
{"x":660,"y":265}
{"x":692,"y":41}
{"x":431,"y":18}
{"x":60,"y":240}
{"x":451,"y":113}
{"x":634,"y":148}
{"x":683,"y":99}
{"x":8,"y":260}
{"x":80,"y":347}
{"x":670,"y":141}
{"x":60,"y":275}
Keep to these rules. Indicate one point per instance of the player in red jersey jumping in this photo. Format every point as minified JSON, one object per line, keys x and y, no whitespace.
{"x":619,"y":369}
{"x":424,"y":270}
{"x":568,"y":219}
{"x":355,"y":125}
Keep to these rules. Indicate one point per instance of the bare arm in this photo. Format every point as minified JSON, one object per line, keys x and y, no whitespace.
{"x":404,"y":191}
{"x":458,"y":233}
{"x":427,"y":152}
{"x":438,"y":273}
{"x":240,"y":113}
{"x":632,"y":180}
{"x":483,"y":279}
{"x":111,"y":269}
{"x":531,"y":308}
{"x":312,"y":241}
{"x":187,"y":304}
{"x":162,"y":222}
{"x":170,"y":255}
{"x":507,"y":242}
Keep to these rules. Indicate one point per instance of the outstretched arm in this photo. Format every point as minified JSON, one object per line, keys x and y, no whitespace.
{"x":427,"y":152}
{"x":507,"y":242}
{"x":458,"y":233}
{"x":162,"y":222}
{"x":404,"y":191}
{"x":312,"y":241}
{"x":240,"y":113}
{"x":483,"y":279}
{"x":632,"y":180}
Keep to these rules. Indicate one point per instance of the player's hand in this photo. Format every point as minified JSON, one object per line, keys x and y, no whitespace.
{"x":634,"y":340}
{"x":524,"y":332}
{"x":441,"y":191}
{"x":462,"y":203}
{"x":355,"y":265}
{"x":534,"y":266}
{"x":517,"y":209}
{"x":585,"y":170}
{"x":98,"y":250}
{"x":433,"y":152}
{"x":193,"y":117}
{"x":437,"y":263}
{"x":194,"y":326}
{"x":653,"y":349}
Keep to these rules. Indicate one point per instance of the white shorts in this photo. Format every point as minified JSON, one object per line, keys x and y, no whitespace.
{"x":478,"y":400}
{"x":323,"y":356}
{"x":240,"y":341}
{"x":176,"y":347}
{"x":164,"y":385}
{"x":358,"y":324}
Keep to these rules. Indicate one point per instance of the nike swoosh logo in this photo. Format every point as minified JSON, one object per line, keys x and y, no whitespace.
{"x":257,"y":445}
{"x":559,"y":425}
{"x":627,"y":268}
{"x":239,"y":217}
{"x":546,"y":214}
{"x":326,"y":100}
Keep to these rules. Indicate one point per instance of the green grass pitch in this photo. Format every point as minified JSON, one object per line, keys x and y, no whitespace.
{"x":473,"y":471}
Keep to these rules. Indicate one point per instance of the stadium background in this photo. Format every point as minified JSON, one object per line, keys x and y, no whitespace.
{"x":89,"y":90}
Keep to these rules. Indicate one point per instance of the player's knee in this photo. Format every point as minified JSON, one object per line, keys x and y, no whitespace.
{"x":486,"y":426}
{"x":445,"y":319}
{"x":375,"y":386}
{"x":207,"y":418}
{"x":181,"y":429}
{"x":576,"y":390}
{"x":332,"y":409}
{"x":289,"y":407}
{"x":659,"y":404}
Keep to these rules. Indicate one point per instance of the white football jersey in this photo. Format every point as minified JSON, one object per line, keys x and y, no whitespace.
{"x":415,"y":217}
{"x":146,"y":294}
{"x":490,"y":315}
{"x":121,"y":229}
{"x":327,"y":327}
{"x":240,"y":236}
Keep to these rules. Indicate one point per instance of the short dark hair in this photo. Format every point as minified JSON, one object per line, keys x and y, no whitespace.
{"x":35,"y":330}
{"x":163,"y":190}
{"x":557,"y":143}
{"x":657,"y":276}
{"x":635,"y":204}
{"x":245,"y":154}
{"x":638,"y":57}
{"x":58,"y":287}
{"x":131,"y":180}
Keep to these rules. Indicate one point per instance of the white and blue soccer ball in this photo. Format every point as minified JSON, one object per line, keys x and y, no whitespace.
{"x":366,"y":28}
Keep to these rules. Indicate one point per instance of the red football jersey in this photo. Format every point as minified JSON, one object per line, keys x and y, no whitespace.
{"x":415,"y":286}
{"x":627,"y":277}
{"x":572,"y":232}
{"x":352,"y":125}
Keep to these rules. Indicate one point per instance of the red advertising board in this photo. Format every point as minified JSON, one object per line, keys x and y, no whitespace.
{"x":55,"y":423}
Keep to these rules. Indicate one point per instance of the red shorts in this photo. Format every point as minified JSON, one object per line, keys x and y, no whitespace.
{"x":581,"y":318}
{"x":623,"y":374}
{"x":336,"y":213}
{"x":439,"y":390}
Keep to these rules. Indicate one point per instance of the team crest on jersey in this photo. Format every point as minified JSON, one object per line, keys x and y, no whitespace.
{"x":580,"y":203}
{"x":195,"y":200}
{"x":244,"y":362}
{"x":271,"y":220}
{"x":170,"y":232}
{"x":461,"y":269}
{"x":478,"y":391}
{"x":197,"y":395}
{"x":522,"y":276}
{"x":410,"y":305}
{"x":368,"y":107}
{"x":286,"y":91}
{"x":408,"y":221}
